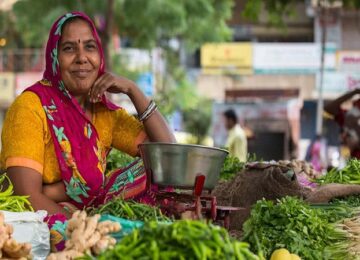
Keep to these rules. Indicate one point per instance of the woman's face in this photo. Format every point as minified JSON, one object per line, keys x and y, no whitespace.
{"x":79,"y":57}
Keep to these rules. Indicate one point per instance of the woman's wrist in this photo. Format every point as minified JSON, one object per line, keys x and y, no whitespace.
{"x":138,"y":98}
{"x":136,"y":95}
{"x":132,"y":90}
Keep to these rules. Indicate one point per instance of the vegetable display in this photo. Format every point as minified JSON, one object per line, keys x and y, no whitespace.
{"x":350,"y":174}
{"x":183,"y":239}
{"x":283,"y":254}
{"x":336,"y":211}
{"x":130,"y":210}
{"x":352,"y":201}
{"x":300,"y":166}
{"x":9,"y":248}
{"x":10,"y":202}
{"x":117,"y":159}
{"x":351,"y":227}
{"x":85,"y":235}
{"x":293,"y":224}
{"x":231,"y":167}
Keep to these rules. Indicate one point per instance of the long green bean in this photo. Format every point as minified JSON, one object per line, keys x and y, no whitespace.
{"x":130,"y":210}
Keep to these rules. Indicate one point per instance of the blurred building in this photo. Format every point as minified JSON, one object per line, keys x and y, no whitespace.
{"x":262,"y":58}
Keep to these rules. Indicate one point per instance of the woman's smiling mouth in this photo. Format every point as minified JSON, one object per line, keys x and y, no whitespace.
{"x":81,"y":73}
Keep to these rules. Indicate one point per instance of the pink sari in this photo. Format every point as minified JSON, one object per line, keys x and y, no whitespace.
{"x":81,"y":161}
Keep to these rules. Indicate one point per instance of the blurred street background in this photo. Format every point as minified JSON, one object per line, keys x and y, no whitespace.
{"x":275,"y":63}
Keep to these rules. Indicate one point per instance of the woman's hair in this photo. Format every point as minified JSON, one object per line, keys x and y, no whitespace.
{"x":230,"y":114}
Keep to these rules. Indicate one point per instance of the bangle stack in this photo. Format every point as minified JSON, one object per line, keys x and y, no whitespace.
{"x":152,"y":107}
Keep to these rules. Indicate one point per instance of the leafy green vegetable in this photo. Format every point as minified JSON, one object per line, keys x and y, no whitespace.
{"x":130,"y":210}
{"x":336,"y":211}
{"x":292,"y":224}
{"x":352,"y":201}
{"x":117,"y":159}
{"x":10,"y":202}
{"x":350,"y":174}
{"x":183,"y":239}
{"x":231,"y":167}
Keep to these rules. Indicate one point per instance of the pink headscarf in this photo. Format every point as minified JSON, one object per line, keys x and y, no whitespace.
{"x":52,"y":70}
{"x":78,"y":149}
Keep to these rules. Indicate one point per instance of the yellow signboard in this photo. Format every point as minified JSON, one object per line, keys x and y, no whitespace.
{"x":7,"y":88}
{"x":228,"y":56}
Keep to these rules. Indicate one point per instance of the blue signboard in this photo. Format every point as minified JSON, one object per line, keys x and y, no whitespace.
{"x":146,"y":83}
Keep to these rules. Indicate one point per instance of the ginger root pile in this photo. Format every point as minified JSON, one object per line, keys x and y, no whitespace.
{"x":301,"y":166}
{"x":9,"y":248}
{"x":86,"y":235}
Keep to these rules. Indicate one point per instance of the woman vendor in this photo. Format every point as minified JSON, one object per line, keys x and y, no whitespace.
{"x":348,"y":120}
{"x":57,"y":133}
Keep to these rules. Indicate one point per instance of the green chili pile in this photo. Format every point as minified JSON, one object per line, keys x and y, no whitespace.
{"x":350,"y":174}
{"x":131,"y":210}
{"x":292,"y":224}
{"x":183,"y":239}
{"x":10,"y":202}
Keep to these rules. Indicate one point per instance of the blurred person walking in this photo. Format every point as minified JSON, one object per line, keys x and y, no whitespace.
{"x":236,"y":141}
{"x":316,"y":153}
{"x":348,"y":120}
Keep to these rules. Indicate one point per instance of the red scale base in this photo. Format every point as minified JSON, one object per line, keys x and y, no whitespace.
{"x":194,"y":204}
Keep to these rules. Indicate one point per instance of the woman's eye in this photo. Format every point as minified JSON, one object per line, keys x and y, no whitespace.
{"x":67,"y":48}
{"x":91,"y":46}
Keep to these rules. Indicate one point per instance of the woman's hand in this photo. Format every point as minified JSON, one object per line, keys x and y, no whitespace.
{"x":156,"y":127}
{"x":111,"y":83}
{"x":56,"y":192}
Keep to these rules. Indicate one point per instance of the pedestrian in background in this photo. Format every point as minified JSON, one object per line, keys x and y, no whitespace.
{"x":316,"y":153}
{"x":236,"y":141}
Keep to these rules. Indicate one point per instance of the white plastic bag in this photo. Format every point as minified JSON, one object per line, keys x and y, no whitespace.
{"x":29,"y":227}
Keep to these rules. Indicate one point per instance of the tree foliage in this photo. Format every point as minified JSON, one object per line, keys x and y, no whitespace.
{"x":34,"y":19}
{"x":197,"y":120}
{"x":146,"y":23}
{"x":195,"y":22}
{"x":7,"y":29}
{"x":277,"y":10}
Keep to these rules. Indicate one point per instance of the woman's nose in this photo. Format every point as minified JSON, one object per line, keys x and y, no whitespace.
{"x":81,"y":56}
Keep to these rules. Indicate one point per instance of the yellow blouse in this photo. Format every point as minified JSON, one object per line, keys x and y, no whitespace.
{"x":26,"y":140}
